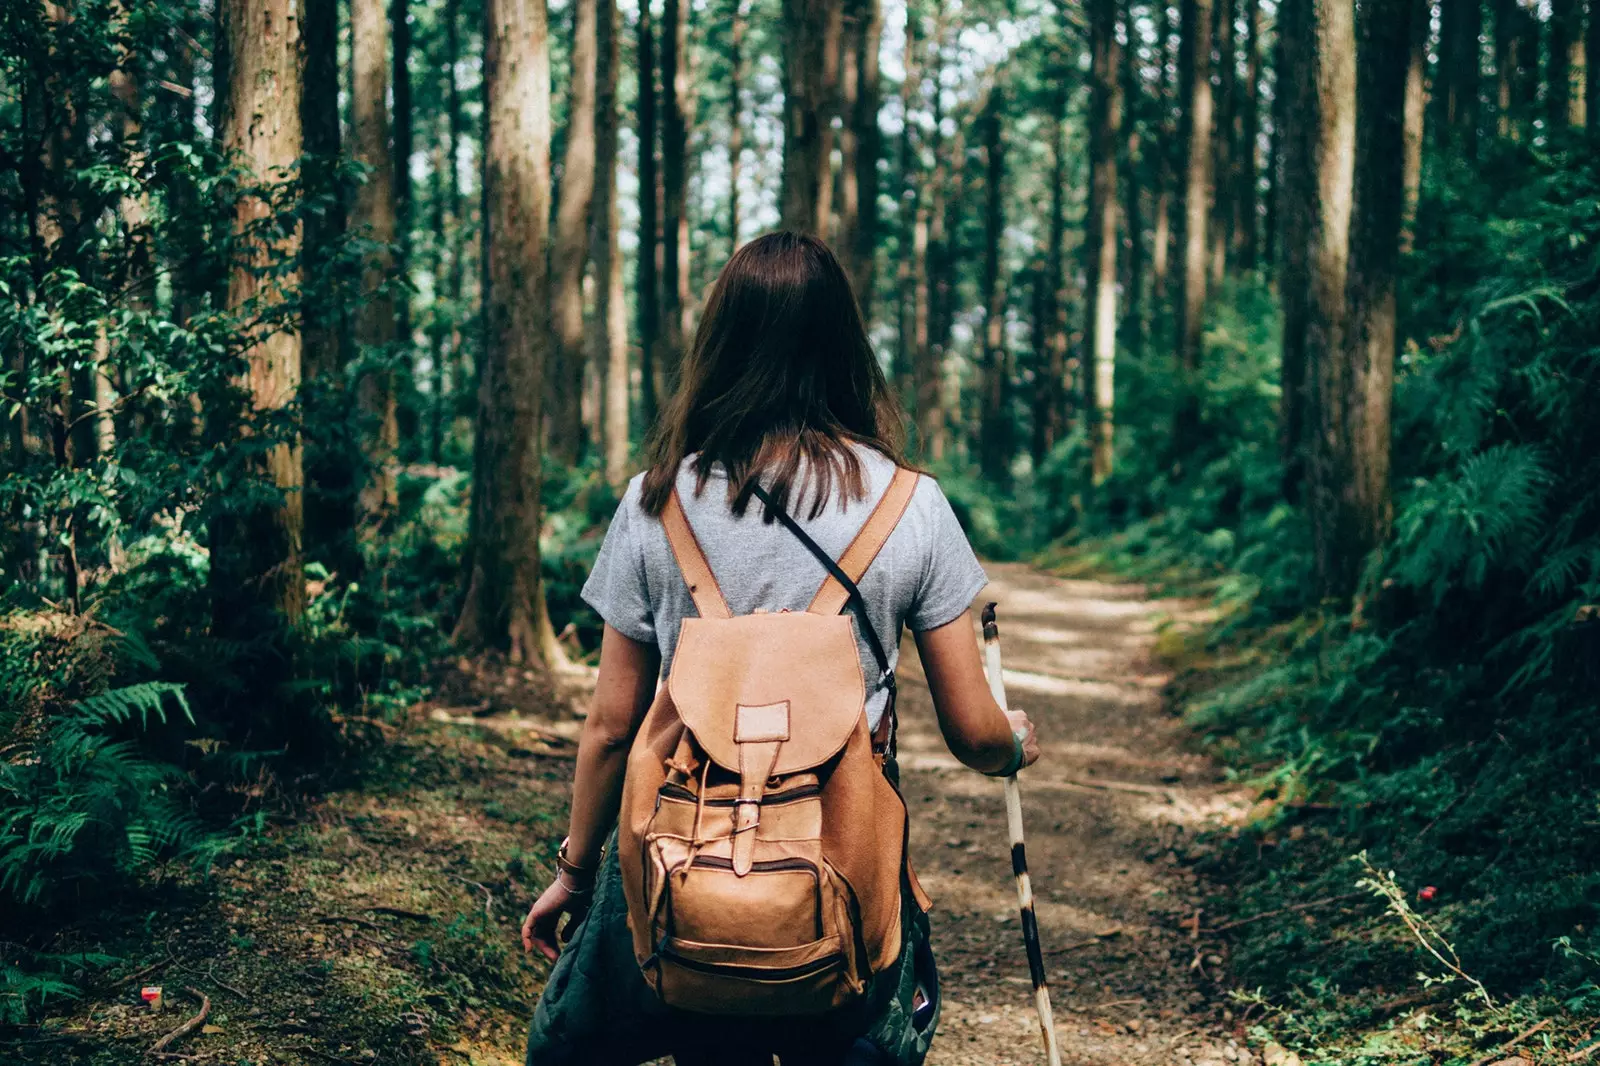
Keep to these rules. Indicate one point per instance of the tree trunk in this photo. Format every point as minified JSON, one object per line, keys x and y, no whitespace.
{"x":504,"y":604}
{"x":1319,"y":48}
{"x":1566,"y":97}
{"x":325,"y":226}
{"x":458,"y":216}
{"x":869,"y":147}
{"x":859,"y":148}
{"x":400,"y":27}
{"x":1195,"y":76}
{"x":374,"y":217}
{"x":735,"y":119}
{"x":811,"y":31}
{"x":1416,"y":104}
{"x":1246,"y":227}
{"x":677,"y":109}
{"x":1270,"y":226}
{"x":647,"y":294}
{"x":1507,"y":45}
{"x":1161,"y":238}
{"x":908,"y":208}
{"x":1591,"y":71}
{"x":930,"y":416}
{"x":1105,"y":118}
{"x":1051,"y":392}
{"x":1354,"y":391}
{"x":995,"y":438}
{"x":611,"y":306}
{"x":1222,"y":145}
{"x":570,"y":243}
{"x":1132,"y":171}
{"x":256,"y":551}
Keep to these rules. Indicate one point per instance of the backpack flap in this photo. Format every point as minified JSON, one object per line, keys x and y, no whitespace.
{"x":767,"y":695}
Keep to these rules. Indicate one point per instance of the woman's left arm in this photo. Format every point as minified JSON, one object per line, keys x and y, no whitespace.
{"x":626,"y":685}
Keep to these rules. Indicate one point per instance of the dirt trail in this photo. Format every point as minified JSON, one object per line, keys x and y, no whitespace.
{"x":1110,"y":808}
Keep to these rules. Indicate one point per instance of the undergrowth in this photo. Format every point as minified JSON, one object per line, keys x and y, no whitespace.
{"x":1441,"y":724}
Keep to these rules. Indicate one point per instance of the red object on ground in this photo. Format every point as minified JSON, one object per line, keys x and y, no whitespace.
{"x":1426,"y":894}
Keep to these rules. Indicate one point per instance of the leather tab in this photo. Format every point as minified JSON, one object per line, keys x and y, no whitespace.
{"x":831,"y":597}
{"x":756,"y":760}
{"x":703,"y":587}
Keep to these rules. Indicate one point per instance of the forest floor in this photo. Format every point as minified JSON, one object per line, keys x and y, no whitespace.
{"x":378,"y":924}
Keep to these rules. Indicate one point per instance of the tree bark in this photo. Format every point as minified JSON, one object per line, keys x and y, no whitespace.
{"x":930,"y":415}
{"x":1194,"y":68}
{"x":256,"y":552}
{"x":995,"y":443}
{"x":1161,"y":238}
{"x":325,"y":225}
{"x":570,"y":244}
{"x":373,"y":215}
{"x":1355,"y":389}
{"x":1223,"y":148}
{"x":611,"y":307}
{"x":1566,"y":96}
{"x":860,"y":146}
{"x":677,"y":109}
{"x":647,"y":288}
{"x":811,"y":32}
{"x":1105,"y":118}
{"x":908,"y":209}
{"x":1319,"y":48}
{"x":1416,"y":105}
{"x":1051,"y":391}
{"x":404,"y":143}
{"x":504,"y":603}
{"x":1132,"y":170}
{"x":1247,"y":228}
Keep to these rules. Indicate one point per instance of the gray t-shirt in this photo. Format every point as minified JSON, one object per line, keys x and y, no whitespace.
{"x":925,"y":576}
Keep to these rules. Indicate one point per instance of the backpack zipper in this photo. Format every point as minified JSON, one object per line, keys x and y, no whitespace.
{"x":717,"y":862}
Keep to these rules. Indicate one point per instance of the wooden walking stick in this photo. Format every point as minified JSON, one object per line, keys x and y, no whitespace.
{"x":1019,"y":855}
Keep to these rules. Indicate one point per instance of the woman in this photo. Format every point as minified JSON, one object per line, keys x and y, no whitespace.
{"x":781,"y":390}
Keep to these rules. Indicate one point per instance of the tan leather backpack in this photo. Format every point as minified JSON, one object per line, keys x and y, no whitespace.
{"x":762,"y":846}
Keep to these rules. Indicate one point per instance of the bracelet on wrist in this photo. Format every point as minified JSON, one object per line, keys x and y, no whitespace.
{"x":1013,"y":764}
{"x":564,"y":864}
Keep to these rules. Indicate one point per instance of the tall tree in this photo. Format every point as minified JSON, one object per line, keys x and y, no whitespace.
{"x":908,"y":207}
{"x":1050,"y":387}
{"x":1161,"y":235}
{"x":1105,"y":117}
{"x":647,"y":287}
{"x":1132,"y":174}
{"x":1351,"y":503}
{"x":504,"y":604}
{"x":677,"y":110}
{"x":995,"y":438}
{"x":1591,"y":70}
{"x":811,"y":32}
{"x":1319,"y":53}
{"x":860,"y":146}
{"x":1247,"y":229}
{"x":571,"y":241}
{"x":1458,"y":77}
{"x":373,"y":215}
{"x":611,"y":308}
{"x":1566,"y":96}
{"x":325,"y":222}
{"x":1224,"y":150}
{"x":1416,"y":103}
{"x":404,"y":143}
{"x":1194,"y":74}
{"x":256,"y":553}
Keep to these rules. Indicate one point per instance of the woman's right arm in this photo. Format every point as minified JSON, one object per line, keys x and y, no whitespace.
{"x":978,"y":732}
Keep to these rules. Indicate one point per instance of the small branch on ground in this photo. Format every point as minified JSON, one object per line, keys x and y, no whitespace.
{"x":1098,"y":938}
{"x":1483,"y":1060}
{"x":187,"y":1027}
{"x":1225,"y":926}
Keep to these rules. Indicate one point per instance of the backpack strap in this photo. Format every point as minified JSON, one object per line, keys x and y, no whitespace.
{"x":703,"y":587}
{"x":833,"y":595}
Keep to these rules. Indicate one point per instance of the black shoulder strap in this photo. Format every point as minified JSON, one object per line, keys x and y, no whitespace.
{"x":853,"y":600}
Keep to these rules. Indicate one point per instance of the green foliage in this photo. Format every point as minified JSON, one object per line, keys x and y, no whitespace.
{"x":1444,"y":720}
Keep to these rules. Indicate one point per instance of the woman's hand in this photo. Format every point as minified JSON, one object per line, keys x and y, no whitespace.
{"x":539,"y":927}
{"x":1021,"y":723}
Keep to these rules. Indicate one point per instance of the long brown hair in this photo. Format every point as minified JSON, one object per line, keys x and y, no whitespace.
{"x":782,"y":377}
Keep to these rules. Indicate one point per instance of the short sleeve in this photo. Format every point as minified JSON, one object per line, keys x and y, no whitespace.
{"x":952,"y":577}
{"x":616,"y":588}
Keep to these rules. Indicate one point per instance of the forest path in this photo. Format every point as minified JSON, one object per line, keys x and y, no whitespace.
{"x":1110,"y":809}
